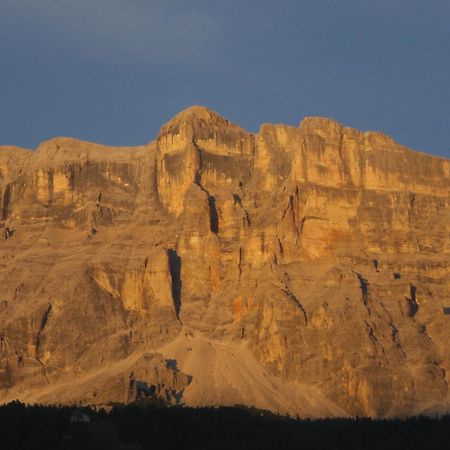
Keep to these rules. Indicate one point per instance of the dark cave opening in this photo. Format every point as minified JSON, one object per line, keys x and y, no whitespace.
{"x":213,"y":215}
{"x":175,"y":273}
{"x":6,"y":202}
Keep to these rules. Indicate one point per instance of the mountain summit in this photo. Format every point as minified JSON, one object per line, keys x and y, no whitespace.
{"x":304,"y":270}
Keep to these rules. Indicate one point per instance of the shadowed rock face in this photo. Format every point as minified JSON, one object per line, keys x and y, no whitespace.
{"x":304,"y":270}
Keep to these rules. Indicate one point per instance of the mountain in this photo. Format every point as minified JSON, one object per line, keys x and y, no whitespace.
{"x":303,"y":270}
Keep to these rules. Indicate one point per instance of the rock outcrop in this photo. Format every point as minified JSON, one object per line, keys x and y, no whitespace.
{"x":299,"y":269}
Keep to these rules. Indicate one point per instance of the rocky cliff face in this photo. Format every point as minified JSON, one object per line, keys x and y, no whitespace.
{"x":303,"y":270}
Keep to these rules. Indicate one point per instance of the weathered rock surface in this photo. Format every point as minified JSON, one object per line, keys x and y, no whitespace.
{"x":303,"y":270}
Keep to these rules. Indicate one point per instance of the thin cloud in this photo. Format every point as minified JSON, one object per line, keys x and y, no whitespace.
{"x":166,"y":30}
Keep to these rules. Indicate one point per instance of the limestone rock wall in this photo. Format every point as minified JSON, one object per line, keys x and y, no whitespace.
{"x":321,"y":250}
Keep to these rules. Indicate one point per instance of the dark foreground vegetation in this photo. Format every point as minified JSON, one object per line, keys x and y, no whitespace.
{"x":138,"y":428}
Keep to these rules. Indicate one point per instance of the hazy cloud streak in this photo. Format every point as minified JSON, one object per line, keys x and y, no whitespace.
{"x":167,"y":30}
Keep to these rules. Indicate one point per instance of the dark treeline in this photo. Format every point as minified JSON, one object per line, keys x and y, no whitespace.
{"x":149,"y":427}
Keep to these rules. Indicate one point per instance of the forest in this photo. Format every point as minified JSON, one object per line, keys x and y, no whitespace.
{"x":139,"y":427}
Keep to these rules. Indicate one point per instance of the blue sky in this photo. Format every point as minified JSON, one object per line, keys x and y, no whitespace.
{"x":113,"y":71}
